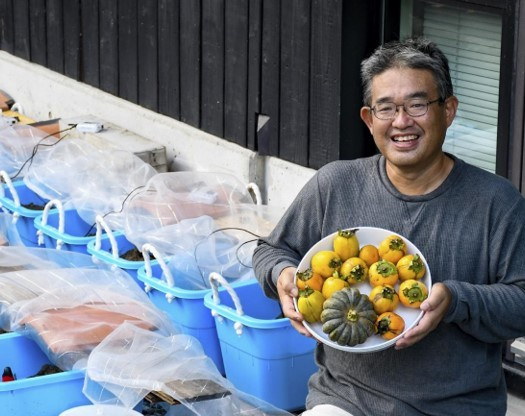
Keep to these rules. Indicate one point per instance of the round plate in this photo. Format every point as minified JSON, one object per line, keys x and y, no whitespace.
{"x":374,"y":236}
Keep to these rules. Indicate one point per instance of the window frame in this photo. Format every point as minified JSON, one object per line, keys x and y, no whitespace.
{"x":506,"y":95}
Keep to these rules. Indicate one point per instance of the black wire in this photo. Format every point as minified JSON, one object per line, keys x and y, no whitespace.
{"x":114,"y":212}
{"x":239,"y":248}
{"x":236,"y":251}
{"x":35,"y":149}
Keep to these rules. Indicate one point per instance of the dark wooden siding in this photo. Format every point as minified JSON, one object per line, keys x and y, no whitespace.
{"x":223,"y":66}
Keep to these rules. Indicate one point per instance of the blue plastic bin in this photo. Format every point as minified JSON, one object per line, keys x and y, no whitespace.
{"x":47,"y":395}
{"x":185,"y":308}
{"x":76,"y":234}
{"x":104,"y":253}
{"x":263,"y":354}
{"x":26,"y":216}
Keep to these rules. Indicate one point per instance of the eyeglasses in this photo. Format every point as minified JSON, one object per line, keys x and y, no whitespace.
{"x":415,"y":107}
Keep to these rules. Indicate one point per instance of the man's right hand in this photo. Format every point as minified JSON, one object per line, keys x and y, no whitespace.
{"x":287,"y":292}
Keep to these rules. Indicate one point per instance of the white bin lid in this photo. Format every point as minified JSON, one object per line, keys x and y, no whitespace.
{"x":100,"y":410}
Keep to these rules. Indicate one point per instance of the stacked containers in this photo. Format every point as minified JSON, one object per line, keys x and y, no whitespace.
{"x":184,"y":306}
{"x":63,"y":228}
{"x":263,"y":354}
{"x":45,"y":395}
{"x":25,"y":205}
{"x":111,"y":248}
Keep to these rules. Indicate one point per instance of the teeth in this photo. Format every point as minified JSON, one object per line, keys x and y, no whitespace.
{"x":405,"y":138}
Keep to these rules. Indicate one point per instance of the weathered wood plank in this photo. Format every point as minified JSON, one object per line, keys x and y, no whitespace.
{"x":325,"y":82}
{"x":89,"y":64}
{"x":268,"y":144}
{"x":37,"y":31}
{"x":212,"y":105}
{"x":127,"y":48}
{"x":72,"y":39}
{"x":236,"y":70}
{"x":295,"y":81}
{"x":190,"y":62}
{"x":109,"y":67}
{"x":169,"y":55}
{"x":21,"y":29}
{"x":55,"y":35}
{"x":254,"y":72}
{"x":7,"y":34}
{"x":148,"y":54}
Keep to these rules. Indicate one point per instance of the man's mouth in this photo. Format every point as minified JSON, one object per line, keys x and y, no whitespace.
{"x":407,"y":138}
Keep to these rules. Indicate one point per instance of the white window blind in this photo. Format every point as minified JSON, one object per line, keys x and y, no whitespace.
{"x":471,"y":40}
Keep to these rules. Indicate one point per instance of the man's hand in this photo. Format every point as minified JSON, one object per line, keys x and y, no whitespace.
{"x":287,"y":292}
{"x":435,"y":308}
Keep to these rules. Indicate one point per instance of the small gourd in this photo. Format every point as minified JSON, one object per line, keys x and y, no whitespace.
{"x":348,"y":317}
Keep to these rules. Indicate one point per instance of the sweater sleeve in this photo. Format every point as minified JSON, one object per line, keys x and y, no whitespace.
{"x":296,"y":232}
{"x":494,"y":312}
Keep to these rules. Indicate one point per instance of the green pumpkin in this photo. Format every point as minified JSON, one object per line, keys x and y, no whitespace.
{"x":348,"y":317}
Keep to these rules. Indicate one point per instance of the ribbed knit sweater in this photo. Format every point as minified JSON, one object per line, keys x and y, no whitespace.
{"x":471,"y":231}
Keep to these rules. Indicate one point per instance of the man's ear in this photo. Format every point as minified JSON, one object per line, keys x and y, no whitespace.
{"x":366,"y":116}
{"x":451,"y":108}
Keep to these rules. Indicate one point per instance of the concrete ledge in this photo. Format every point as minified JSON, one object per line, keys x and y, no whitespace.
{"x":45,"y":94}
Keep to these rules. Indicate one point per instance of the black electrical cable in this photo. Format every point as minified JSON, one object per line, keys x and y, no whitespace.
{"x":114,"y":212}
{"x":35,"y":149}
{"x":236,"y":250}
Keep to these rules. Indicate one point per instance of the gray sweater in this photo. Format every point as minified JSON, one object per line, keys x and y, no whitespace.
{"x":471,"y":231}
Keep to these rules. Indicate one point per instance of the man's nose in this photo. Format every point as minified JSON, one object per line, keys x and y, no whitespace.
{"x":401,"y":116}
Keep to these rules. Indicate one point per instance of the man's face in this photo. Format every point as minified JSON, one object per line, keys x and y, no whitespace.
{"x":409,"y":142}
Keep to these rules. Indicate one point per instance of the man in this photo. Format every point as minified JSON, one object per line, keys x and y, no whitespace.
{"x":467,"y":222}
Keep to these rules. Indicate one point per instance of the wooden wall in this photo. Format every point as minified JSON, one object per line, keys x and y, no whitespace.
{"x":265,"y":74}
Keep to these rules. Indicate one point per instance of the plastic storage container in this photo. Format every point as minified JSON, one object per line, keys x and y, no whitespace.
{"x":185,"y":307}
{"x":25,"y":205}
{"x":263,"y":354}
{"x":63,"y":229}
{"x":110,"y":247}
{"x":46,"y":395}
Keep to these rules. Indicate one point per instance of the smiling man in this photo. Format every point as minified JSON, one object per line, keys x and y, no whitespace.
{"x":467,"y":222}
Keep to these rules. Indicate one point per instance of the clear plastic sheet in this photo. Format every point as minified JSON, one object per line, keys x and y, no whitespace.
{"x":92,"y":180}
{"x":206,"y":221}
{"x":169,"y":198}
{"x":132,"y":362}
{"x":21,"y":276}
{"x":73,"y":309}
{"x":17,"y":144}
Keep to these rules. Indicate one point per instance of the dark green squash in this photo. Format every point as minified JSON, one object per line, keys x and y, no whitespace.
{"x":348,"y":317}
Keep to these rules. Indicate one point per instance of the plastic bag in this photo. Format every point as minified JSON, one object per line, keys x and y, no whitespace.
{"x":22,"y":277}
{"x":51,"y":173}
{"x":119,"y":175}
{"x":77,"y":308}
{"x":92,"y":180}
{"x":189,"y":258}
{"x":169,"y":198}
{"x":17,"y":145}
{"x":132,"y":362}
{"x":204,"y":220}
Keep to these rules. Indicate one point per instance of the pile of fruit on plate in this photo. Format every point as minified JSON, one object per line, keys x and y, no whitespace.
{"x":360,"y":289}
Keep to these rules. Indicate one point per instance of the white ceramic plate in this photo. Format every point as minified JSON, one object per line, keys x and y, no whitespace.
{"x":374,"y":236}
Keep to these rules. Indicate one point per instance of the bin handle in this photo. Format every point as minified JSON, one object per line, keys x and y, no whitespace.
{"x":215,"y":278}
{"x":9,"y":184}
{"x":61,"y":220}
{"x":148,"y":248}
{"x":14,"y":193}
{"x":102,"y":225}
{"x":253,"y":187}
